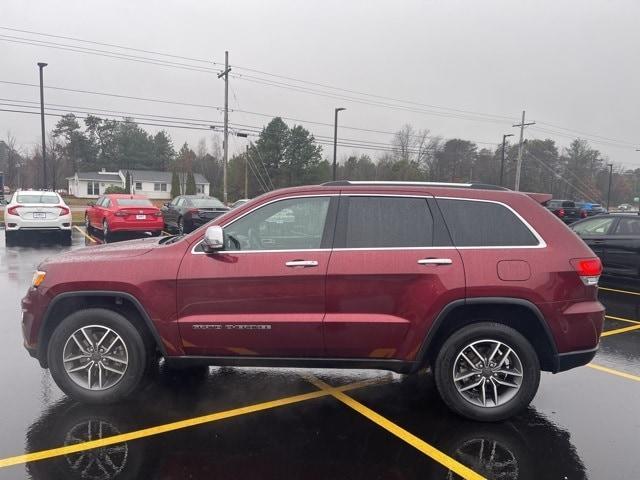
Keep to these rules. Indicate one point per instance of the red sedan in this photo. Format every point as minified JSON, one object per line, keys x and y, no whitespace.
{"x":123,"y":213}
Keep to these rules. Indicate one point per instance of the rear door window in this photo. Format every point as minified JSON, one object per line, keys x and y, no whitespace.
{"x":628,"y":226}
{"x":485,"y":224}
{"x":595,"y":226}
{"x":386,"y":222}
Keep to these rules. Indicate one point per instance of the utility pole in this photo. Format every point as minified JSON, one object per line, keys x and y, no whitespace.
{"x":246,"y":174}
{"x":225,"y":74}
{"x":519,"y":164}
{"x":41,"y":66}
{"x":504,"y":146}
{"x":610,"y":165}
{"x":335,"y":141}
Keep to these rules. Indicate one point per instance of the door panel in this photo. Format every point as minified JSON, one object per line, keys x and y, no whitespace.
{"x":381,"y":303}
{"x":622,"y":248}
{"x":386,"y":281}
{"x":260,"y":296}
{"x":252,"y":303}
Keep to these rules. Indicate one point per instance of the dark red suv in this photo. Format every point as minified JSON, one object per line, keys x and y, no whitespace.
{"x":482,"y":284}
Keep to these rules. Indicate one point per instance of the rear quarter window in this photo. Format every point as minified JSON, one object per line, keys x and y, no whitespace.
{"x":485,"y":224}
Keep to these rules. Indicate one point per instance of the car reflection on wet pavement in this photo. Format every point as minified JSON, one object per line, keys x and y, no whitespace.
{"x":582,"y":424}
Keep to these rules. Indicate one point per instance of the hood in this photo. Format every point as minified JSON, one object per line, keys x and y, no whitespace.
{"x":107,"y":251}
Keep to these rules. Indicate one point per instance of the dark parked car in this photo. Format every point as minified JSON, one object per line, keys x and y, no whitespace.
{"x":481,"y":284}
{"x":615,"y":238}
{"x":567,"y":210}
{"x":188,"y":212}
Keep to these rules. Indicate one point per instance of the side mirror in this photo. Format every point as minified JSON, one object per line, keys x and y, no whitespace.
{"x":213,"y":240}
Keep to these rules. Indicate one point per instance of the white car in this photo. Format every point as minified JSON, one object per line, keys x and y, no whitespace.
{"x":37,"y":211}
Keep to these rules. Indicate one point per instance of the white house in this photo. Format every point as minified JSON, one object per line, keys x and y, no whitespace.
{"x":151,"y":183}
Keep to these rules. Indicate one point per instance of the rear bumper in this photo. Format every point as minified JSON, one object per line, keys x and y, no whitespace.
{"x":569,"y":360}
{"x":13,"y":223}
{"x":141,"y":226}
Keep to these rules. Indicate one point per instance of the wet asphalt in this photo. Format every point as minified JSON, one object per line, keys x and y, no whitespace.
{"x":582,"y":424}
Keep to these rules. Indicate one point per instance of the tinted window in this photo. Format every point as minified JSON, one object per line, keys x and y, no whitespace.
{"x":206,"y":203}
{"x":628,"y":226}
{"x":484,"y":224}
{"x":294,"y":224}
{"x":378,"y":222}
{"x":37,"y":198}
{"x":134,"y":202}
{"x":596,"y":226}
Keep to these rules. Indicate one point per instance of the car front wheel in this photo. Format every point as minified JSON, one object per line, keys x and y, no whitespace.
{"x":487,"y":372}
{"x":97,"y":356}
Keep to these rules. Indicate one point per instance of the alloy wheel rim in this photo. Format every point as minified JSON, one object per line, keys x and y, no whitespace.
{"x":487,"y":373}
{"x":95,"y":357}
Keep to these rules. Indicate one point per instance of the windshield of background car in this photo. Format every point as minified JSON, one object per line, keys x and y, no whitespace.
{"x":134,"y":202}
{"x":597,"y":226}
{"x":206,"y":203}
{"x":37,"y":198}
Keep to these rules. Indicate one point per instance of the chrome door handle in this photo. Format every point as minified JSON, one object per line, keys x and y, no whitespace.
{"x":435,"y":261}
{"x":302,"y":263}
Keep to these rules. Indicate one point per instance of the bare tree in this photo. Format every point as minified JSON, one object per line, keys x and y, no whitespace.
{"x":412,"y":146}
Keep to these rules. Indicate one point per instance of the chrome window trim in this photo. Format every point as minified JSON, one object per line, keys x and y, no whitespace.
{"x":193,"y":249}
{"x":541,"y":242}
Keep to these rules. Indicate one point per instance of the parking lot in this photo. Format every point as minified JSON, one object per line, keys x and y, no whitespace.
{"x":296,"y":423}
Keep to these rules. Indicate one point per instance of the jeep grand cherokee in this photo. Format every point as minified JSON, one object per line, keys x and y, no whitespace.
{"x":483,"y":285}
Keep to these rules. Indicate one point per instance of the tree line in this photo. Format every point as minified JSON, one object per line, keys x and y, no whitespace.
{"x":284,"y":156}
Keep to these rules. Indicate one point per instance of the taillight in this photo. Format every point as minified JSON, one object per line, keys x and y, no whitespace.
{"x":158,"y":213}
{"x":583,"y":214}
{"x":64,"y":211}
{"x":193,"y":211}
{"x":559,"y":212}
{"x":589,"y":269}
{"x":13,"y":210}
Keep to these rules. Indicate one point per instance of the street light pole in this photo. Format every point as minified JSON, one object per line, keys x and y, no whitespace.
{"x":335,"y":140}
{"x":504,"y":142}
{"x":41,"y":66}
{"x":609,"y":190}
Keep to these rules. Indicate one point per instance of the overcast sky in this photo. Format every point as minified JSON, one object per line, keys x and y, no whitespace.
{"x":571,"y":64}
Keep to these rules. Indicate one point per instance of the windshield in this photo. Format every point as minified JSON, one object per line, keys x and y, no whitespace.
{"x":206,"y":203}
{"x":134,"y":202}
{"x":38,"y":198}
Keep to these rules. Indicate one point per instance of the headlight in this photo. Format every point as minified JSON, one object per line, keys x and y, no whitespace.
{"x":38,"y":278}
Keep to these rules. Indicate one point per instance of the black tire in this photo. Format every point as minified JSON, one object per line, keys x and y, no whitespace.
{"x":137,"y":351}
{"x":452,"y":347}
{"x":156,"y":233}
{"x":106,"y":234}
{"x":10,"y":238}
{"x":87,"y":224}
{"x":66,"y":238}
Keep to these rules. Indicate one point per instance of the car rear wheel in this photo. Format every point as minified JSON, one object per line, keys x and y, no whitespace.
{"x":66,"y":237}
{"x":97,"y":356}
{"x":87,"y":224}
{"x":10,"y":238}
{"x":105,"y":229}
{"x":487,"y":372}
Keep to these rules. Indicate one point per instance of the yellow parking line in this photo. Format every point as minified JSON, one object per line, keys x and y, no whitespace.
{"x":620,"y":330}
{"x":618,"y":373}
{"x":191,"y":422}
{"x":166,"y":233}
{"x":611,"y":317}
{"x":618,"y":291}
{"x":85,"y":234}
{"x":432,"y":452}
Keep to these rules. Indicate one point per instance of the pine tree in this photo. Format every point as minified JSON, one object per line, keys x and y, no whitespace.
{"x":175,"y":184}
{"x":191,"y":184}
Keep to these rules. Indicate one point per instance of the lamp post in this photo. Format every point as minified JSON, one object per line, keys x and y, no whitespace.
{"x":335,"y":139}
{"x":504,"y":142}
{"x":41,"y":66}
{"x":610,"y":165}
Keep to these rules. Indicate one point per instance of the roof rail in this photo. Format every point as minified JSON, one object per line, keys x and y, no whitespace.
{"x":480,"y":186}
